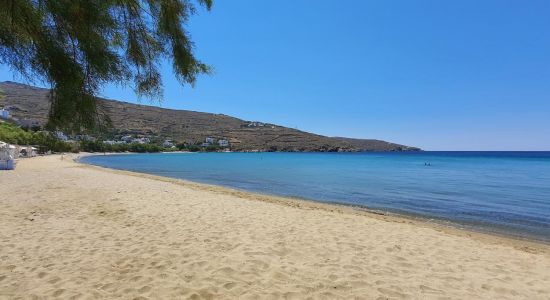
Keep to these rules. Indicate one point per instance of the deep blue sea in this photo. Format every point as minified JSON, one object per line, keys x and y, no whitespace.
{"x":505,"y":192}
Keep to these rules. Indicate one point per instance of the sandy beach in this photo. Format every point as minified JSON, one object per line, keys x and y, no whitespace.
{"x":73,"y":231}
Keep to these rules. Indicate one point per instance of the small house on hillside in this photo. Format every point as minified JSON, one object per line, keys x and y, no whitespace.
{"x":209,"y":140}
{"x":111,"y":142}
{"x":61,"y":136}
{"x":168,"y":144}
{"x":223,"y":143}
{"x":127,"y":138}
{"x":4,"y":113}
{"x":142,"y":140}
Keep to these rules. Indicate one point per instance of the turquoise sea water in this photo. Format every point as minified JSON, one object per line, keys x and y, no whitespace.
{"x":507,"y":192}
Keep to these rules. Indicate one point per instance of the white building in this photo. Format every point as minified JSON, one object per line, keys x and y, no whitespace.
{"x":127,"y":138}
{"x":209,"y":140}
{"x":61,"y":136}
{"x":223,"y":143}
{"x":143,"y":140}
{"x":4,"y":113}
{"x":110,"y":142}
{"x":255,"y":124}
{"x":168,"y":144}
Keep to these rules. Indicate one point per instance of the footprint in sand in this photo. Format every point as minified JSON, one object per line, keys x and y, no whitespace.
{"x":54,"y":280}
{"x":427,"y":289}
{"x":229,"y":285}
{"x":144,"y":289}
{"x":58,"y":293}
{"x":391,"y":293}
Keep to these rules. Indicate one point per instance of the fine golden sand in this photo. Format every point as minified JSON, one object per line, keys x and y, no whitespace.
{"x":73,"y":231}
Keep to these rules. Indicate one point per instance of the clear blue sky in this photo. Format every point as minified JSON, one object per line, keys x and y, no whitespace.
{"x":441,"y":75}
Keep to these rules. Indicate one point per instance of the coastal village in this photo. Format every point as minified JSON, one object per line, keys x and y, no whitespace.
{"x":10,"y":152}
{"x":23,"y":112}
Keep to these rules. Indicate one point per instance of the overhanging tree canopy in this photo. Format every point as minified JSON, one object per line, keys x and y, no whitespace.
{"x":79,"y":45}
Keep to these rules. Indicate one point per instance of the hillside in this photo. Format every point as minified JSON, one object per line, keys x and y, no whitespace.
{"x":30,"y":104}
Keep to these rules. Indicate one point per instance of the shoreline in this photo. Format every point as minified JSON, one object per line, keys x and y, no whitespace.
{"x":71,"y":230}
{"x":419,"y":219}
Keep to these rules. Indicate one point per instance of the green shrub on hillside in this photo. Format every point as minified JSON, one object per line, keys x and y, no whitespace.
{"x":12,"y":134}
{"x":99,"y":146}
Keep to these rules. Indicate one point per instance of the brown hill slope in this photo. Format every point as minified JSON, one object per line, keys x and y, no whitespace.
{"x":31,"y":104}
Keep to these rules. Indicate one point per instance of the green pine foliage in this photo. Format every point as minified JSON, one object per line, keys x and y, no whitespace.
{"x":100,"y":146}
{"x":77,"y":46}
